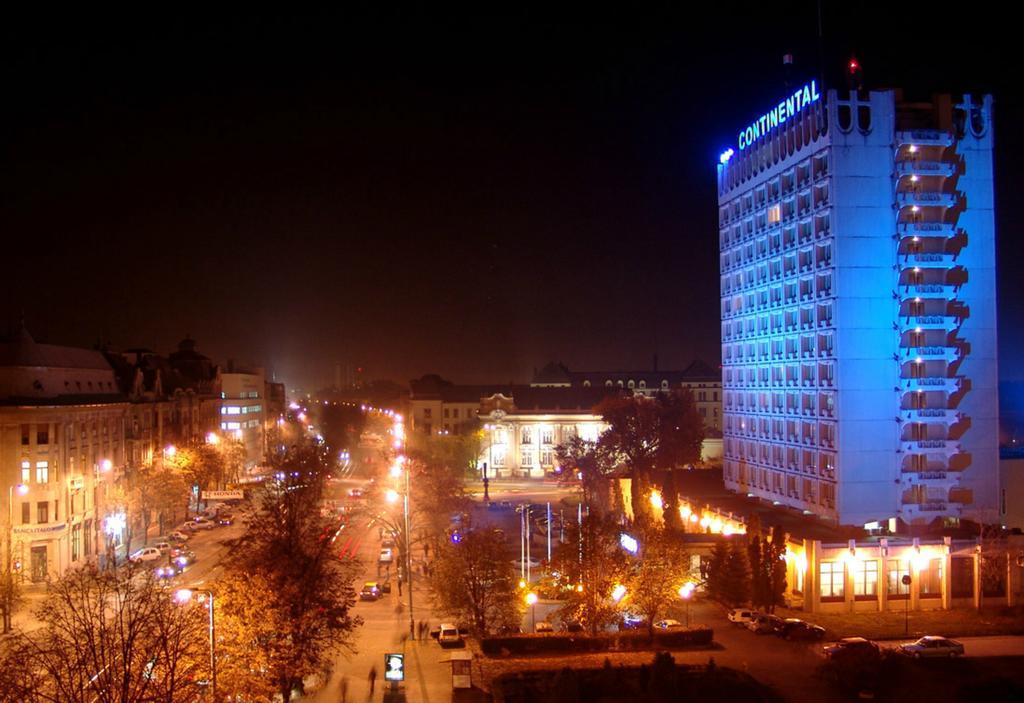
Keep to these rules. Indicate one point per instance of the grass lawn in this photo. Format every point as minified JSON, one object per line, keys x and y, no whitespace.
{"x":890,"y":625}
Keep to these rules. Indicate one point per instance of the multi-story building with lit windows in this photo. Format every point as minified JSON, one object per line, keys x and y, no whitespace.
{"x":858,"y":307}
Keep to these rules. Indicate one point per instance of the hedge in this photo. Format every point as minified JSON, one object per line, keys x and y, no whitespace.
{"x":566,"y":642}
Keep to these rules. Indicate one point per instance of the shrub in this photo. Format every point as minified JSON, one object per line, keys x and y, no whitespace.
{"x":564,"y":642}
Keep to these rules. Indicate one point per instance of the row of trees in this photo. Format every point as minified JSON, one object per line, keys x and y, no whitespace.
{"x":750,"y":568}
{"x":283,"y":611}
{"x":591,"y":567}
{"x":645,"y":440}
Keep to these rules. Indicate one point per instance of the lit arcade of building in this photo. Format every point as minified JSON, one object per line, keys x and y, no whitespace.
{"x":858,"y":308}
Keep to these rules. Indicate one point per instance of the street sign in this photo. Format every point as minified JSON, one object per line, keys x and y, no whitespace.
{"x":394,"y":667}
{"x":223,"y":495}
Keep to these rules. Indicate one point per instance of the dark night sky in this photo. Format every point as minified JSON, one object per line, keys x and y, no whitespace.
{"x":412,"y":194}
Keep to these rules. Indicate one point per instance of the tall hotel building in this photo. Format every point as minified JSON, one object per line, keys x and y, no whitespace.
{"x":858,"y":308}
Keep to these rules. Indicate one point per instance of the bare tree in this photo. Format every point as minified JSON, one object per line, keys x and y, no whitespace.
{"x":106,"y":637}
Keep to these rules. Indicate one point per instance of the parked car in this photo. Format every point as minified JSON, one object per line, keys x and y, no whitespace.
{"x":386,"y":556}
{"x":202,"y":523}
{"x":933,"y":646}
{"x":633,"y":622}
{"x":572,"y":626}
{"x":849,"y":645}
{"x":145,"y":554}
{"x":370,"y":591}
{"x":765,"y":624}
{"x":164,"y":547}
{"x":741,"y":616}
{"x":796,"y":629}
{"x":543,"y":627}
{"x":178,"y":536}
{"x":668,"y":625}
{"x":448,"y":635}
{"x":225,"y":520}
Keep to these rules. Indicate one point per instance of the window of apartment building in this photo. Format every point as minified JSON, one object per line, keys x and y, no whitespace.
{"x":547,"y":436}
{"x":831,"y":580}
{"x":865,"y":578}
{"x":42,"y":512}
{"x":526,"y":436}
{"x":546,"y":458}
{"x":428,"y":412}
{"x":447,"y":413}
{"x":526,"y":459}
{"x":930,"y":579}
{"x":42,"y":472}
{"x":87,"y":538}
{"x":498,"y":456}
{"x":26,"y":513}
{"x":26,"y":472}
{"x":455,"y":413}
{"x":76,"y":542}
{"x":896,"y":570}
{"x":25,"y":434}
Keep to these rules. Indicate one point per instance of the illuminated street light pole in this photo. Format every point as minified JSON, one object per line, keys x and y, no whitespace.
{"x":183,"y":596}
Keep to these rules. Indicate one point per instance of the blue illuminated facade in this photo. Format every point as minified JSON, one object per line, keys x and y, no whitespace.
{"x":858,"y":311}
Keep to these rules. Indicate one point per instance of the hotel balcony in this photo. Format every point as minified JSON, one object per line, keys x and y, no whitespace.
{"x":947,"y":354}
{"x":931,"y":446}
{"x":947,"y":415}
{"x":911,"y":198}
{"x":926,"y":229}
{"x":931,"y":383}
{"x":928,"y":322}
{"x":917,"y":167}
{"x":926,"y":511}
{"x":924,"y":137}
{"x":929,"y":260}
{"x":931,"y":291}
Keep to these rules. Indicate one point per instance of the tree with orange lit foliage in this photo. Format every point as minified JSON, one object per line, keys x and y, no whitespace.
{"x":585,"y":570}
{"x":648,"y":435}
{"x":285,"y":604}
{"x":590,"y":464}
{"x":107,"y":637}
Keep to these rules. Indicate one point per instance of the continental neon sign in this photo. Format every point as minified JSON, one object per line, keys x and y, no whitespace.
{"x":779,"y":114}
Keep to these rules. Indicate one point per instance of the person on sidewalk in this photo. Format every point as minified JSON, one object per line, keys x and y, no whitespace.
{"x":372,"y":678}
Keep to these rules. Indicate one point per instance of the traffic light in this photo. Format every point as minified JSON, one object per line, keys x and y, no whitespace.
{"x":854,"y":75}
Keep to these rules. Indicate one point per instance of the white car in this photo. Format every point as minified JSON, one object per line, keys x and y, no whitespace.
{"x":741,"y":616}
{"x":448,"y":635}
{"x":386,"y":556}
{"x":164,"y":547}
{"x":202,"y":523}
{"x":145,"y":554}
{"x":179,"y":536}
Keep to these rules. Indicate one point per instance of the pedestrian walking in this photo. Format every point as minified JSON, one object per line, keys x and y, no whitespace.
{"x":372,"y":678}
{"x":344,"y":689}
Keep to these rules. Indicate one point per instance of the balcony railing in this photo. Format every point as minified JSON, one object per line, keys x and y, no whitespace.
{"x":924,"y":137}
{"x":929,"y":291}
{"x":931,"y":383}
{"x":926,"y":229}
{"x":928,"y":260}
{"x":947,"y":354}
{"x":926,"y":199}
{"x":917,"y":167}
{"x":929,"y":322}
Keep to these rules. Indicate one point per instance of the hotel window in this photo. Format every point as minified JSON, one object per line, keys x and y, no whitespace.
{"x":26,"y":472}
{"x":42,"y":434}
{"x":547,"y":436}
{"x":42,"y":512}
{"x":42,"y":472}
{"x":831,"y":580}
{"x":25,"y":434}
{"x":526,"y":459}
{"x":774,"y":214}
{"x":896,"y":570}
{"x":546,"y":458}
{"x":929,"y":579}
{"x":527,"y":436}
{"x":865,"y":578}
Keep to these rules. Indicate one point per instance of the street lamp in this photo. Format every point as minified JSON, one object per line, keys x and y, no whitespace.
{"x":531,"y":600}
{"x":686,"y":593}
{"x":184,"y":596}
